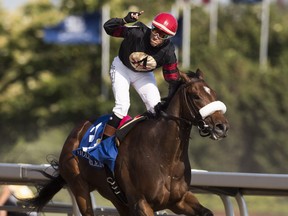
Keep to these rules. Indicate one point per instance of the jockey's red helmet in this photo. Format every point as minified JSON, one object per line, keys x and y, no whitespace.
{"x":166,"y":22}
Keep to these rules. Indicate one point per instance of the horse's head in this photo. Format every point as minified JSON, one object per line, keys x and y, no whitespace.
{"x":201,"y":107}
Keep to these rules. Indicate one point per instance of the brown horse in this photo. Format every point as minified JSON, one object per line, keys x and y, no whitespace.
{"x":152,"y":167}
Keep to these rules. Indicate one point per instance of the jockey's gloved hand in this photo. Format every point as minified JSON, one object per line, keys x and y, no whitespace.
{"x":159,"y":107}
{"x":132,"y":17}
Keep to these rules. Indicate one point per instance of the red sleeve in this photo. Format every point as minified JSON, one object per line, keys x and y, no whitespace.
{"x":171,"y":72}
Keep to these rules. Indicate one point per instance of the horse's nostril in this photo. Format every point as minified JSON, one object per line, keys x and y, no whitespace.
{"x":221,"y":127}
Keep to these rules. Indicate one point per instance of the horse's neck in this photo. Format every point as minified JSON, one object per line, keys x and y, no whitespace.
{"x":181,"y":127}
{"x":176,"y":109}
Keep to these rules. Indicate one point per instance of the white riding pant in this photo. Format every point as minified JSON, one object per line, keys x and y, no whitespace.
{"x":143,"y":82}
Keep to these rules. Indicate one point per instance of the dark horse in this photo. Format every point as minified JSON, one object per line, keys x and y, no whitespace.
{"x":152,"y":167}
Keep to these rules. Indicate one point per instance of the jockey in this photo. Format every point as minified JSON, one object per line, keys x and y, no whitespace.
{"x":142,"y":50}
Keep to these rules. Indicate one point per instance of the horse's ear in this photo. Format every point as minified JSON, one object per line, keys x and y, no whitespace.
{"x":184,"y":76}
{"x":199,"y":74}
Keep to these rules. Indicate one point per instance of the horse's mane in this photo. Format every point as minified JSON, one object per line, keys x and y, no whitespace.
{"x":166,"y":101}
{"x":191,"y":75}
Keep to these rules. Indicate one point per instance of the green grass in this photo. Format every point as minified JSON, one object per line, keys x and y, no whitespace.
{"x":36,"y":152}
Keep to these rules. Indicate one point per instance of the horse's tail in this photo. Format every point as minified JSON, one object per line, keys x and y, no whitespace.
{"x":45,"y":192}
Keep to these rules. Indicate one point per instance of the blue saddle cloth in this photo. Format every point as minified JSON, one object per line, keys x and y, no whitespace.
{"x":99,"y":153}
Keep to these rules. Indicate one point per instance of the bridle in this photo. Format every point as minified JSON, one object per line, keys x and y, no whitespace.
{"x":197,"y":116}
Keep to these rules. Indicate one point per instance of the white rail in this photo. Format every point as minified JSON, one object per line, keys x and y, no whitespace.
{"x":230,"y":184}
{"x":225,"y":184}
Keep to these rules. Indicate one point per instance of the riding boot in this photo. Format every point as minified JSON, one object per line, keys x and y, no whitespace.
{"x":111,"y":126}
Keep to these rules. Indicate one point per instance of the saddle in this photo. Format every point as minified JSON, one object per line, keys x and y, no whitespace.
{"x":125,"y":127}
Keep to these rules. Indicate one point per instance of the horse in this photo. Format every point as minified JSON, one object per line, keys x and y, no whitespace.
{"x":152,"y":167}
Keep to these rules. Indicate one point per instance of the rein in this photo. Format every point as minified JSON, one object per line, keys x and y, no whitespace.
{"x":175,"y":118}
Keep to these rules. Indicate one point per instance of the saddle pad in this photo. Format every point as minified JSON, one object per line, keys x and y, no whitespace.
{"x":96,"y":152}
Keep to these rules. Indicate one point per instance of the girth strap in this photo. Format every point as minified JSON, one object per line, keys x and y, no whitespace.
{"x":115,"y":187}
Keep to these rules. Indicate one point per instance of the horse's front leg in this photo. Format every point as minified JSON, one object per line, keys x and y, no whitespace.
{"x":141,"y":208}
{"x":189,"y":205}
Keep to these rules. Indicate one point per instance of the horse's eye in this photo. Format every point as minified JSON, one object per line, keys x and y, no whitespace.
{"x":195,"y":96}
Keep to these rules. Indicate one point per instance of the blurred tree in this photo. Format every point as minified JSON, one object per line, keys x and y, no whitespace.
{"x":44,"y":85}
{"x":256,"y":106}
